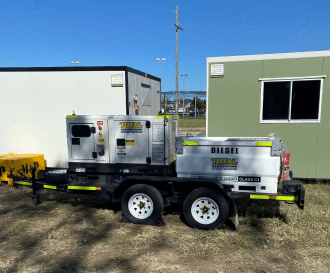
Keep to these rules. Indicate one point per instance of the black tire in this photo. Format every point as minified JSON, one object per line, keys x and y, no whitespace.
{"x":205,"y":209}
{"x":142,"y":201}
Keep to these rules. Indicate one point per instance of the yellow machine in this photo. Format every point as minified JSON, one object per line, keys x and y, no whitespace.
{"x":19,"y":165}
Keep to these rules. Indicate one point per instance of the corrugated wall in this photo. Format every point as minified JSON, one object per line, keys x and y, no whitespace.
{"x":234,"y":110}
{"x":147,"y":96}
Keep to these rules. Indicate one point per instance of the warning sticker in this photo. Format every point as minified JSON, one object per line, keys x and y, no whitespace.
{"x":99,"y":123}
{"x":224,"y":164}
{"x":157,"y":131}
{"x":130,"y":142}
{"x":219,"y":178}
{"x":101,"y":140}
{"x":121,"y":153}
{"x":249,"y":179}
{"x":117,"y":80}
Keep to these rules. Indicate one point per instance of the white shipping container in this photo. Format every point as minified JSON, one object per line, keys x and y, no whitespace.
{"x":36,"y":101}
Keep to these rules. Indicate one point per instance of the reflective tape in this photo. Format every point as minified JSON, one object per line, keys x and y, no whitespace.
{"x":254,"y":196}
{"x":24,"y":183}
{"x":273,"y":197}
{"x":190,"y":143}
{"x":84,"y":188}
{"x":162,"y":116}
{"x":50,"y":187}
{"x":286,"y":198}
{"x":264,"y":144}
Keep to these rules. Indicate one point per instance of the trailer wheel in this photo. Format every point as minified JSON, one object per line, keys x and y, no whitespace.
{"x":142,"y":204}
{"x":205,"y":209}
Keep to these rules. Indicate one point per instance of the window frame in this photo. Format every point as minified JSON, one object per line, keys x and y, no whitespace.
{"x":291,"y":80}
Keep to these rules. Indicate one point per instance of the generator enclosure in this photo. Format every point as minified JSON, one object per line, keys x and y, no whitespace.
{"x":240,"y":164}
{"x":36,"y":100}
{"x":121,"y":139}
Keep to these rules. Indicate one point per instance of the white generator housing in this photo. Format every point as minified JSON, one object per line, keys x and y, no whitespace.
{"x":121,"y":139}
{"x":241,"y":164}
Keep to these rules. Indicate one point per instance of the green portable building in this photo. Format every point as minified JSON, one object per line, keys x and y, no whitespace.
{"x":286,"y":93}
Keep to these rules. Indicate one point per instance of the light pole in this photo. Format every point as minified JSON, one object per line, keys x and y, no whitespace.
{"x":183,"y":75}
{"x":160,"y":91}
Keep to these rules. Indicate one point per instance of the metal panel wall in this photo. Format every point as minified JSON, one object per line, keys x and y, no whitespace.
{"x":147,"y":96}
{"x":234,"y":110}
{"x":34,"y":106}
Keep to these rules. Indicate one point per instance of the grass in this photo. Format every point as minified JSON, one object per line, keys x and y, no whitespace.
{"x":192,"y":122}
{"x":72,"y":233}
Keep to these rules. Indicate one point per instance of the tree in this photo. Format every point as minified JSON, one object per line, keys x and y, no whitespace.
{"x":200,"y":105}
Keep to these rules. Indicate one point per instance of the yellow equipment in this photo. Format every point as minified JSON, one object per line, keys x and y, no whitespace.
{"x":19,"y":165}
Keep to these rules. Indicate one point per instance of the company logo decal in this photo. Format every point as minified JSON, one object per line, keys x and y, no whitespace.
{"x":224,"y":164}
{"x":131,"y":127}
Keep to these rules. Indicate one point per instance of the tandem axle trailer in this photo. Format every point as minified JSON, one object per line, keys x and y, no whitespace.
{"x":141,"y":163}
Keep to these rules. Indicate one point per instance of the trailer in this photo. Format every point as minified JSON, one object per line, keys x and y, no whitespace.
{"x":141,"y":163}
{"x":35,"y":101}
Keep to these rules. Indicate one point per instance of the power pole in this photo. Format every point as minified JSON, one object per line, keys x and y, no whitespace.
{"x":176,"y":59}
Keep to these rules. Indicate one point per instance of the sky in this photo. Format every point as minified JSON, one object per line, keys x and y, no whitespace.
{"x":48,"y":33}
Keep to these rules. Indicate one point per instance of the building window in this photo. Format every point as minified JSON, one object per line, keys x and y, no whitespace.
{"x":291,"y":100}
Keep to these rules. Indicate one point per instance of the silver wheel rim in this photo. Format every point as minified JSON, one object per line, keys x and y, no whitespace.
{"x":205,"y":211}
{"x":140,"y":206}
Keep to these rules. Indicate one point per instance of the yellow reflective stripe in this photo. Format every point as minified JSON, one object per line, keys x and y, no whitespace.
{"x":273,"y":197}
{"x":50,"y":187}
{"x":24,"y":183}
{"x":190,"y":143}
{"x":254,"y":196}
{"x":162,"y":116}
{"x":71,"y":116}
{"x":264,"y":144}
{"x":84,"y":188}
{"x":286,"y":198}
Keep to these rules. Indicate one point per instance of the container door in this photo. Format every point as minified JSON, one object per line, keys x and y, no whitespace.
{"x":82,"y":141}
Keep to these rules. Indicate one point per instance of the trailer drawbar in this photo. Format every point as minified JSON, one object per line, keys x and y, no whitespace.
{"x":141,"y":162}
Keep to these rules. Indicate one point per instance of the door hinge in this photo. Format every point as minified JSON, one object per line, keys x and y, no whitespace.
{"x":94,"y":154}
{"x":148,"y":160}
{"x":148,"y":124}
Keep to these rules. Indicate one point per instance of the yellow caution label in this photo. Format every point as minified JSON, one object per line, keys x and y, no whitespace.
{"x":101,"y":140}
{"x":71,"y":116}
{"x":264,"y":144}
{"x":24,"y":183}
{"x":190,"y":143}
{"x":85,"y":188}
{"x":130,"y":142}
{"x":49,"y":187}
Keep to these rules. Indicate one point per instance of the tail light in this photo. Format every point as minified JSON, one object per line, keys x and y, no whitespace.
{"x":285,"y":158}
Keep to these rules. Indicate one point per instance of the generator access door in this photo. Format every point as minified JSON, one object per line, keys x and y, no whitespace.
{"x":82,"y":141}
{"x":131,"y":136}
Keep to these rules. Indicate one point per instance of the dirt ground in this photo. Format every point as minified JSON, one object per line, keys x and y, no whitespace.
{"x":73,"y":233}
